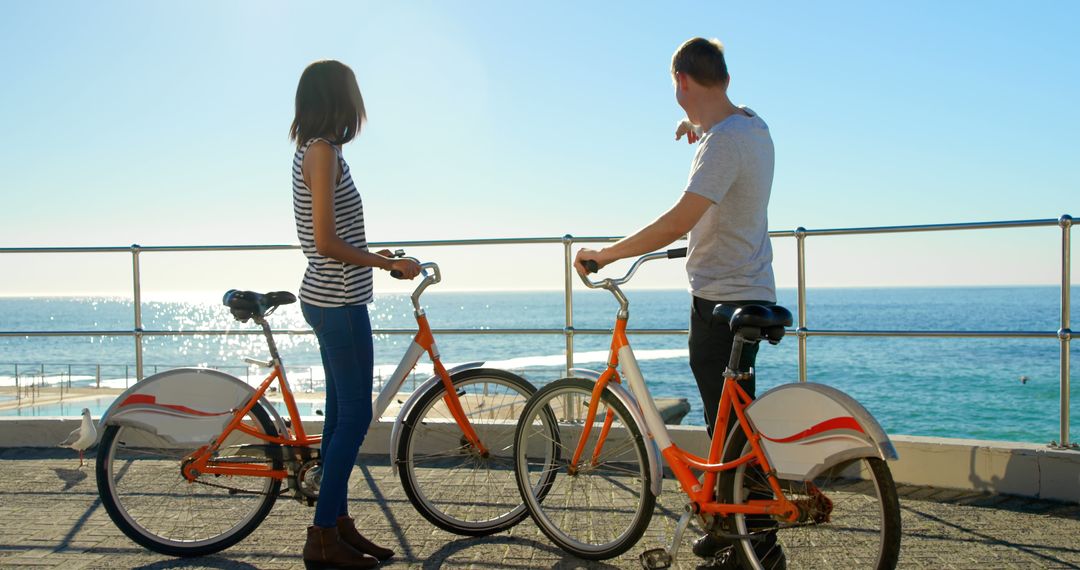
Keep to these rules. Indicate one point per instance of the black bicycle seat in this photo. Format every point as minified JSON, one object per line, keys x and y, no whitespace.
{"x":755,"y":322}
{"x":247,"y":304}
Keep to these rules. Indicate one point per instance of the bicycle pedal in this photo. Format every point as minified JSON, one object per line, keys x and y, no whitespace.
{"x":655,"y":558}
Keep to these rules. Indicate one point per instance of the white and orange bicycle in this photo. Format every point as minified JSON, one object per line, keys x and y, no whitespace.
{"x":801,"y":481}
{"x":192,"y":460}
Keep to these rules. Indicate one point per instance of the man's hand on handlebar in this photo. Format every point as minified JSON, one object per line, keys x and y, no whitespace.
{"x":586,"y":254}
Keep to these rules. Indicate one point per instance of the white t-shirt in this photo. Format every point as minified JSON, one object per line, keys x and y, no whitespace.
{"x":729,"y":257}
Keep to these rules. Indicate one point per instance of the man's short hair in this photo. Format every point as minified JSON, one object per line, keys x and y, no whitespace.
{"x":702,"y":60}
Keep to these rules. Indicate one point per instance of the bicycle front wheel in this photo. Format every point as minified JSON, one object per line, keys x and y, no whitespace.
{"x":454,"y":485}
{"x":141,"y":487}
{"x":598,"y":506}
{"x":851,"y":516}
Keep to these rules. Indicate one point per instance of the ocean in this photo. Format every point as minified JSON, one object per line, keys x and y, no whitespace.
{"x":999,"y":389}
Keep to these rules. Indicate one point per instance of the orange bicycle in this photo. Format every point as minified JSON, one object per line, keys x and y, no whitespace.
{"x":800,"y":481}
{"x":192,"y":460}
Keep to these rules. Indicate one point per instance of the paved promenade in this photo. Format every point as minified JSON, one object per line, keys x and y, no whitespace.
{"x":50,"y":517}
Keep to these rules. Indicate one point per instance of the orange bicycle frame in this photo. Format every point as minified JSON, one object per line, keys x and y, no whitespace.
{"x":681,"y":462}
{"x":201,"y":460}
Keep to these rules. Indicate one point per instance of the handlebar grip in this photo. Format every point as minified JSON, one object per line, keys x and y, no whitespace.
{"x":676,"y":253}
{"x":396,"y":254}
{"x":591,"y":266}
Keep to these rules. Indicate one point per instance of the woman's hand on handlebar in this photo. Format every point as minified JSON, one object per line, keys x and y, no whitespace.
{"x":586,"y":254}
{"x":404,"y":268}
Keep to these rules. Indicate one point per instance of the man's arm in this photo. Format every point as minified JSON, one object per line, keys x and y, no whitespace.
{"x":672,"y":225}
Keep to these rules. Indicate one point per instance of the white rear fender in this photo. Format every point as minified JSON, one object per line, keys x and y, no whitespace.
{"x":807,"y":428}
{"x":395,"y":432}
{"x":185,"y":405}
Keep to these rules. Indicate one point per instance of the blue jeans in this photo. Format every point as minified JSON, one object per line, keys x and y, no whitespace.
{"x":345,"y":344}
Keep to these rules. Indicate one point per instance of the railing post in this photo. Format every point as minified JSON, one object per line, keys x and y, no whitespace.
{"x":568,"y":284}
{"x":1065,"y":333}
{"x":137,"y":301}
{"x":800,"y":331}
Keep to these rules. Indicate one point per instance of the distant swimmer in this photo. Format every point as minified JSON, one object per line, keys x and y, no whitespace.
{"x":1023,"y":379}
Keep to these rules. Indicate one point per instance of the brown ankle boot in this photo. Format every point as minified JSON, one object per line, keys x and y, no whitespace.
{"x":325,"y":549}
{"x":349,"y":535}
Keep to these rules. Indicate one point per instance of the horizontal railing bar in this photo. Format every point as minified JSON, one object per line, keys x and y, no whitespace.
{"x":65,"y":249}
{"x":278,"y":247}
{"x":222,"y":332}
{"x":936,"y":334}
{"x":65,"y":333}
{"x":535,"y":240}
{"x":933,"y":227}
{"x":552,"y":331}
{"x":37,"y":365}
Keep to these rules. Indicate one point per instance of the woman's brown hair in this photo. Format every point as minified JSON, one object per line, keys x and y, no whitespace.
{"x":328,"y":104}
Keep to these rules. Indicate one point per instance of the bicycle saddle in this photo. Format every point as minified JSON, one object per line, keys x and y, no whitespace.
{"x":755,"y":322}
{"x":247,"y":304}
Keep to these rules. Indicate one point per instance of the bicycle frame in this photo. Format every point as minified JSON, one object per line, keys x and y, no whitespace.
{"x":682,"y":462}
{"x":201,"y":461}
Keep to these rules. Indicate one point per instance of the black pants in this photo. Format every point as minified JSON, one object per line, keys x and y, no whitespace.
{"x":710,"y":349}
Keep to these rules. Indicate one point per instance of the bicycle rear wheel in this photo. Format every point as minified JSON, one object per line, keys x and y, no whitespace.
{"x":852,"y":512}
{"x":596,"y":508}
{"x":141,"y":487}
{"x":450,"y":482}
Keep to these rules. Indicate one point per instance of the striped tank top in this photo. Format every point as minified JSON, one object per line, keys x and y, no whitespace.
{"x":329,"y":282}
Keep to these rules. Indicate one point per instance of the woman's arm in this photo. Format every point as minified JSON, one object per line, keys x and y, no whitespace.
{"x":320,"y":171}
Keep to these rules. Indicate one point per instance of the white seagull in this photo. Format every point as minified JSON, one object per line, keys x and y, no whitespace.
{"x":83,"y":437}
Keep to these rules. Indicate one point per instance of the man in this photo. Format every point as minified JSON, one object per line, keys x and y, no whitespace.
{"x":723,"y":208}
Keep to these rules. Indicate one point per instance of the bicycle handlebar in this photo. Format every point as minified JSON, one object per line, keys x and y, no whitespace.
{"x":428,"y":270}
{"x":592,"y":267}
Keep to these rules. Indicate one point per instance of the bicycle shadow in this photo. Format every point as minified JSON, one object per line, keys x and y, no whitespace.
{"x":445,"y":554}
{"x":201,"y":562}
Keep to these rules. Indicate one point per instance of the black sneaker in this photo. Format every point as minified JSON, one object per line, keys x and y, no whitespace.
{"x":724,"y":559}
{"x":708,"y":546}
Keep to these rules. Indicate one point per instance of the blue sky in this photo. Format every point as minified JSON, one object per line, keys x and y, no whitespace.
{"x":165,"y":123}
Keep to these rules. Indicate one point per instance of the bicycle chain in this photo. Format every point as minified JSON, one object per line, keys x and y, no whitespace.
{"x":234,"y":489}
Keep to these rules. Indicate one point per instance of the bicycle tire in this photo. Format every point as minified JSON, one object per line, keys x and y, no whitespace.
{"x":863,"y":512}
{"x":142,"y":493}
{"x":565,"y":503}
{"x":432,"y":450}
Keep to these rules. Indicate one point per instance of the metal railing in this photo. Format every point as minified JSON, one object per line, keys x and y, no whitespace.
{"x":1063,"y":334}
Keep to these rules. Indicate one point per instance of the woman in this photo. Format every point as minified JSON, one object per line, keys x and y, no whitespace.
{"x":336,"y":289}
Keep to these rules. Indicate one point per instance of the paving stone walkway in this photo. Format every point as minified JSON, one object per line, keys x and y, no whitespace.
{"x":50,"y":516}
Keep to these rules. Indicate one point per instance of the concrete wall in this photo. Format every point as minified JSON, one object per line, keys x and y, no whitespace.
{"x":1024,"y":469}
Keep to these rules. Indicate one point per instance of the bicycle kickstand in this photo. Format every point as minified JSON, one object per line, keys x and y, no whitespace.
{"x":664,"y":557}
